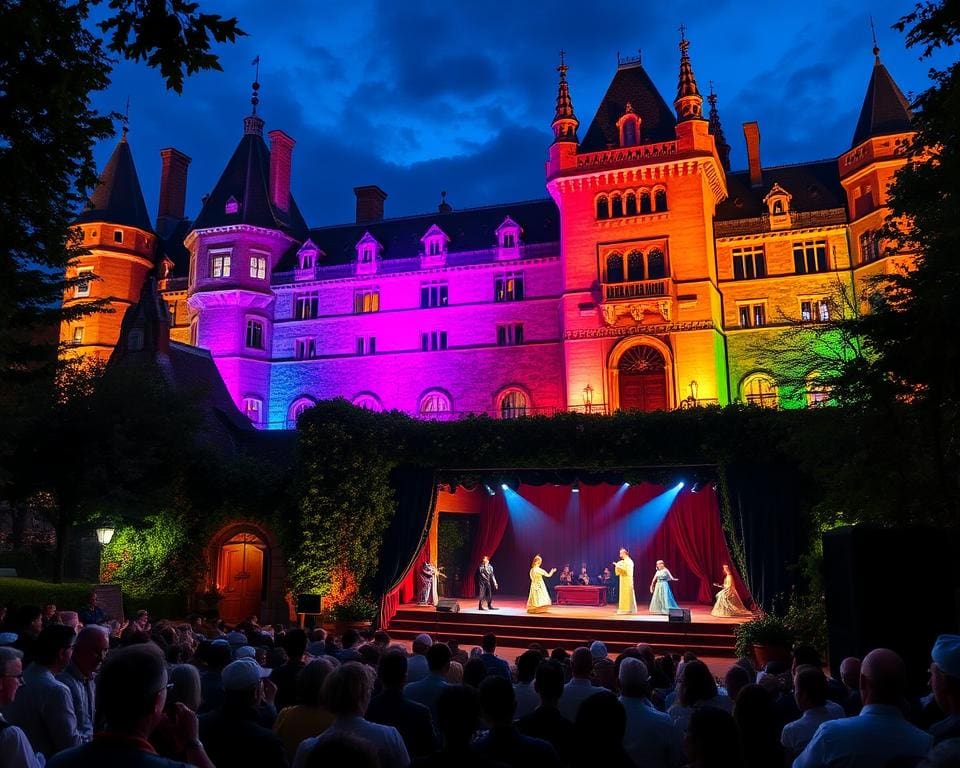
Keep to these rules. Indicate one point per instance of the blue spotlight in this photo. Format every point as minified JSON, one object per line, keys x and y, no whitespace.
{"x":490,"y":491}
{"x":626,"y":484}
{"x":504,"y":486}
{"x":680,"y":484}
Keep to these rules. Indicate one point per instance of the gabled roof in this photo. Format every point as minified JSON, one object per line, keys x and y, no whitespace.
{"x":470,"y":229}
{"x":247,"y":179}
{"x":885,"y":109}
{"x":118,"y":198}
{"x":630,"y":84}
{"x":170,"y":235}
{"x":812,"y":187}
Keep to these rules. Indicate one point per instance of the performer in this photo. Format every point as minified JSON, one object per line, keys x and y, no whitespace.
{"x":486,"y":583}
{"x":606,"y":579}
{"x":429,"y":575}
{"x":728,"y":603}
{"x":584,"y":578}
{"x":566,"y":575}
{"x":624,"y":569}
{"x":662,"y":600}
{"x":539,"y":599}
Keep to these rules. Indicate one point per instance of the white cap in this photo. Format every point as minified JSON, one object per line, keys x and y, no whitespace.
{"x":242,"y":674}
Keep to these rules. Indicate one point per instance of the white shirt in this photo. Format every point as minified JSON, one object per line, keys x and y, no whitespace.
{"x":869,"y":740}
{"x":527,"y":699}
{"x":680,"y":716}
{"x":797,"y":735}
{"x":16,"y":750}
{"x":574,"y":694}
{"x":385,"y":738}
{"x":43,"y":708}
{"x":651,"y":740}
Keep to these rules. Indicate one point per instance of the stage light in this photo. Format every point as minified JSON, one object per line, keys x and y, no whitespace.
{"x":576,"y":487}
{"x":695,"y":487}
{"x":626,"y":484}
{"x":680,"y":484}
{"x":490,"y":491}
{"x":504,"y":486}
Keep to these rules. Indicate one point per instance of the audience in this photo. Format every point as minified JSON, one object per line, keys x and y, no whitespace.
{"x":427,"y":690}
{"x":89,"y":651}
{"x":696,"y":689}
{"x":14,"y":745}
{"x":474,"y":673}
{"x":491,"y":662}
{"x":759,"y":728}
{"x":92,"y":613}
{"x":650,"y":739}
{"x":285,"y":676}
{"x":459,"y":720}
{"x":308,"y":717}
{"x":391,"y":707}
{"x":27,"y":625}
{"x":945,"y":683}
{"x":504,"y":742}
{"x":523,"y":689}
{"x":810,"y":689}
{"x":546,"y":722}
{"x":183,"y":688}
{"x":600,"y":730}
{"x":850,"y":677}
{"x":735,"y":680}
{"x":417,"y":668}
{"x":581,"y":686}
{"x":712,"y":740}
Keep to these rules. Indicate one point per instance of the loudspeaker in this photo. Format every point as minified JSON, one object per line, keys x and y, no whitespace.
{"x":679,"y":615}
{"x":448,"y":605}
{"x":308,"y":604}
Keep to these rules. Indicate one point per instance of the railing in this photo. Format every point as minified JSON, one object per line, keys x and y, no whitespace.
{"x":798,"y":219}
{"x":637,"y":289}
{"x":623,"y":155}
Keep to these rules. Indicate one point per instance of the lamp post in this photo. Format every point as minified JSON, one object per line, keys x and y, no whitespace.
{"x":104,"y":537}
{"x":588,"y":398}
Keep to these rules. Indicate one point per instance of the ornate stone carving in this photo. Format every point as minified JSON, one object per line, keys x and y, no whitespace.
{"x":638,"y":330}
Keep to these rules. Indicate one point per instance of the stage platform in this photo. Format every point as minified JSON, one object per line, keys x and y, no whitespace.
{"x":568,"y":626}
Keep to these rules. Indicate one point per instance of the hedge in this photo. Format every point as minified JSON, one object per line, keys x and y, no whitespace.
{"x":70,"y":596}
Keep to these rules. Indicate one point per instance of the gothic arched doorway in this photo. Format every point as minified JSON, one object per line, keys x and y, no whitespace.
{"x":642,"y":379}
{"x":241,"y":565}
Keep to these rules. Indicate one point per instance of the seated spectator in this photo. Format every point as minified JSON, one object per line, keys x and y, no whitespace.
{"x":346,"y":694}
{"x":92,"y":613}
{"x":946,"y":754}
{"x":493,"y":663}
{"x":810,"y":688}
{"x":349,"y":641}
{"x":217,"y":656}
{"x":391,"y":707}
{"x":736,"y":679}
{"x":428,"y":690}
{"x":457,"y":653}
{"x":27,"y":624}
{"x":880,"y":732}
{"x":131,"y":696}
{"x":308,"y":717}
{"x":285,"y":677}
{"x":599,"y":732}
{"x":546,"y":722}
{"x":580,"y":686}
{"x":712,"y":740}
{"x":183,"y":688}
{"x":598,"y":650}
{"x":523,"y":689}
{"x":232,"y":732}
{"x":650,"y":738}
{"x":696,"y":689}
{"x":381,"y":639}
{"x":504,"y":742}
{"x":44,"y":707}
{"x":459,"y":720}
{"x":49,"y":615}
{"x":318,"y":642}
{"x":759,"y":728}
{"x":850,"y":677}
{"x":89,"y":651}
{"x":945,"y":683}
{"x":474,"y":673}
{"x":417,"y":667}
{"x":343,"y":749}
{"x":14,"y":745}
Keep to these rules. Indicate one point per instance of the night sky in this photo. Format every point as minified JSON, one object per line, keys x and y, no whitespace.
{"x":420,"y":97}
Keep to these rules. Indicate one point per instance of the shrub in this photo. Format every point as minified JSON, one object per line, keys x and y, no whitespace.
{"x":767,"y":629}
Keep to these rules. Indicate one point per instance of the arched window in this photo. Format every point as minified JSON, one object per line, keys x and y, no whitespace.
{"x":253,"y":410}
{"x":603,"y":207}
{"x":760,"y":389}
{"x":297,"y":407}
{"x":628,"y":132}
{"x":614,"y":268}
{"x":818,"y":394}
{"x":631,"y":204}
{"x":513,"y":404}
{"x":635,"y":266}
{"x":617,"y":207}
{"x":368,"y":402}
{"x":644,"y":201}
{"x":435,"y":405}
{"x":660,"y":200}
{"x":656,"y":265}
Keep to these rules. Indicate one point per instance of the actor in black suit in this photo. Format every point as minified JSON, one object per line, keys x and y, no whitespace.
{"x":486,"y":583}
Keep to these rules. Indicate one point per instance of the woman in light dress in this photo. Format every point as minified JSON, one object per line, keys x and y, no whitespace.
{"x":728,"y":603}
{"x":624,"y":569}
{"x":662,"y":600}
{"x":539,"y":599}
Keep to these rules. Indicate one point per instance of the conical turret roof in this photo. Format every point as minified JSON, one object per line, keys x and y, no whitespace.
{"x":118,"y":198}
{"x":885,"y":109}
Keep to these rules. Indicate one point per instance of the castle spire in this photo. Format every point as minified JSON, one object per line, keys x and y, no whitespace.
{"x":565,"y":122}
{"x":876,"y":46}
{"x":716,"y":130}
{"x":252,"y":123}
{"x":689,"y":102}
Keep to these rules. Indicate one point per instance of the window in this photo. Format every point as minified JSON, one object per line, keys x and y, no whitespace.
{"x":509,"y":240}
{"x":749,"y":262}
{"x":760,"y":389}
{"x":253,"y":410}
{"x":436,"y":248}
{"x":660,"y":200}
{"x":118,"y":235}
{"x":615,"y":268}
{"x":513,"y":404}
{"x":434,"y":403}
{"x":135,"y":340}
{"x":817,"y":393}
{"x":366,"y":300}
{"x":306,"y":306}
{"x":631,"y":204}
{"x":509,"y":287}
{"x":231,"y":206}
{"x":635,"y":266}
{"x":656,"y":265}
{"x":869,"y":247}
{"x":431,"y":341}
{"x":815,"y":310}
{"x":617,"y":207}
{"x":220,"y":264}
{"x":509,"y":334}
{"x":603,"y":208}
{"x":258,"y":267}
{"x":84,"y":277}
{"x":644,"y":201}
{"x":752,"y":315}
{"x":433,"y":295}
{"x":297,"y":409}
{"x":305,"y":348}
{"x":628,"y":133}
{"x":368,"y":402}
{"x":366,"y":345}
{"x":78,"y":334}
{"x":255,"y":338}
{"x":810,"y":256}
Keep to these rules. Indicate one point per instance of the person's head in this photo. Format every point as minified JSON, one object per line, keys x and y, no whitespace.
{"x":343,"y":749}
{"x":696,"y":684}
{"x":421,"y":643}
{"x":634,"y":679}
{"x":485,"y":560}
{"x":598,"y":649}
{"x":185,"y":682}
{"x":809,"y":687}
{"x":348,"y":640}
{"x":805,"y":656}
{"x":712,"y":739}
{"x":736,"y":679}
{"x":49,"y":611}
{"x":606,"y":573}
{"x":295,"y":643}
{"x":498,"y":701}
{"x":438,"y":658}
{"x":754,"y":714}
{"x":11,"y":674}
{"x":726,"y":569}
{"x":218,"y":654}
{"x":132,"y":689}
{"x":346,"y":691}
{"x":624,"y":553}
{"x":381,"y":639}
{"x":945,"y":673}
{"x":850,"y":673}
{"x":458,"y":715}
{"x":93,"y":599}
{"x":559,"y":655}
{"x":602,"y":718}
{"x":581,"y":663}
{"x":527,"y":663}
{"x":141,"y":619}
{"x":90,"y":649}
{"x":488,"y":642}
{"x":661,"y":565}
{"x":310,"y":680}
{"x":548,"y":682}
{"x":474,"y":673}
{"x":537,"y":560}
{"x":54,"y":647}
{"x":29,"y":620}
{"x":583,"y":569}
{"x":883,"y":678}
{"x":243,"y":683}
{"x":392,"y":670}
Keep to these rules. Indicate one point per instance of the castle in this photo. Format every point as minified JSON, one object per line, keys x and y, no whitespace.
{"x":644,"y":281}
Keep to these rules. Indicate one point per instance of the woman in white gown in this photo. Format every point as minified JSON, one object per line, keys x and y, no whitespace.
{"x":539,"y":599}
{"x":728,"y":603}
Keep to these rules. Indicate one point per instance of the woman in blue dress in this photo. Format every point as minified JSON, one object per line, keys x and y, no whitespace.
{"x":662,"y":600}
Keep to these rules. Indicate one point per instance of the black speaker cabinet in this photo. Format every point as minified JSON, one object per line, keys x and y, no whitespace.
{"x":679,"y":615}
{"x":448,"y":605}
{"x":308,"y":604}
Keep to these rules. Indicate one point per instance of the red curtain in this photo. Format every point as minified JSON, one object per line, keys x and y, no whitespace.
{"x":406,"y":592}
{"x":492,"y":524}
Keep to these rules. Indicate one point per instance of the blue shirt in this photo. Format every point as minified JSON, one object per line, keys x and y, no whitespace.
{"x":496,"y":666}
{"x":427,"y":692}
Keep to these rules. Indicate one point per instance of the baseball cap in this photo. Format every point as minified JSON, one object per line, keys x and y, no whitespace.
{"x":242,"y":674}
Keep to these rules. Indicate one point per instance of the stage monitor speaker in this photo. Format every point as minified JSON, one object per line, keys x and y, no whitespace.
{"x":308,"y":604}
{"x":679,"y":615}
{"x":448,"y":605}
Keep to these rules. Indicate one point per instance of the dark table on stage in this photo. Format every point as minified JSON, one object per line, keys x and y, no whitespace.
{"x":581,"y":595}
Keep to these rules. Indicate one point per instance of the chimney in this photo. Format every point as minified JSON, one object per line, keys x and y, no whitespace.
{"x":173,"y":183}
{"x":369,"y":203}
{"x":751,"y":132}
{"x":281,"y":157}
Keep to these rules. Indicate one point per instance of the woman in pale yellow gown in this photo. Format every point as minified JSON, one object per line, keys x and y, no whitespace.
{"x":624,"y":569}
{"x":728,"y":603}
{"x":539,"y":599}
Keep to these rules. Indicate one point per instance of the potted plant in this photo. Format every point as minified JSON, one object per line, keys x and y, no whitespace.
{"x":765,"y":638}
{"x":356,"y":612}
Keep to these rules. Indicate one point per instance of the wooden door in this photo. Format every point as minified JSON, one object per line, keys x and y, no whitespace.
{"x":643,"y":391}
{"x":240,"y":577}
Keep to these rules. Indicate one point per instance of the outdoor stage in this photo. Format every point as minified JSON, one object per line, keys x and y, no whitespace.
{"x":568,"y":626}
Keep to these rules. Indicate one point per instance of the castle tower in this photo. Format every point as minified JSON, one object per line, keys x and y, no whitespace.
{"x":115,"y":229}
{"x":246,"y":226}
{"x":640,"y":311}
{"x":565,"y":123}
{"x":716,"y":130}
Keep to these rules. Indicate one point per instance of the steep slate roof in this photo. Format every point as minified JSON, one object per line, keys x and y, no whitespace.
{"x":813,"y":187}
{"x":630,"y":83}
{"x":470,"y":229}
{"x":170,"y":245}
{"x":118,"y":198}
{"x":885,"y":109}
{"x":246,"y":179}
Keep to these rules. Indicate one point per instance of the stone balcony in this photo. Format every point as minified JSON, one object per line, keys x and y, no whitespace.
{"x":640,"y":299}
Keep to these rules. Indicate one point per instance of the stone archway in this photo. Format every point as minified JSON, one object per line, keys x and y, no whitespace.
{"x":641,"y":376}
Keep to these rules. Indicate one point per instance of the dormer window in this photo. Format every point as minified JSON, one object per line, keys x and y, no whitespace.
{"x":778,"y":206}
{"x":629,"y":127}
{"x":508,"y":239}
{"x":232,"y":206}
{"x":368,"y":254}
{"x":434,"y":246}
{"x":307,"y":258}
{"x":135,"y":340}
